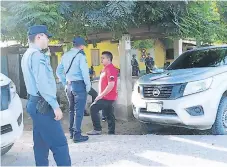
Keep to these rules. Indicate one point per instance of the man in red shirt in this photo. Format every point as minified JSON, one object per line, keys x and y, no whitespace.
{"x":106,"y":97}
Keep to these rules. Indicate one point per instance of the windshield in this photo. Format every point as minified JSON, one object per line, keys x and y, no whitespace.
{"x":201,"y":58}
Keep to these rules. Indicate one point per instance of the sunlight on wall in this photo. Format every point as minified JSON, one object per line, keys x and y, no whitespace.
{"x":158,"y":53}
{"x":104,"y":46}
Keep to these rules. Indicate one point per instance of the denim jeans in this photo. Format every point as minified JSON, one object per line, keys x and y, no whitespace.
{"x":77,"y":96}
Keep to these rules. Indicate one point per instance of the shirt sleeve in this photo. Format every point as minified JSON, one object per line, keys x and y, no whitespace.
{"x":44,"y":79}
{"x":60,"y":73}
{"x":111,"y":75}
{"x":85,"y":72}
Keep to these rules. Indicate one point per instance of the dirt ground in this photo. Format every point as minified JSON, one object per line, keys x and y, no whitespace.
{"x":132,"y":127}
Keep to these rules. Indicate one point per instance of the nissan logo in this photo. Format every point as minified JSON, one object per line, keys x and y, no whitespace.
{"x":156,"y":92}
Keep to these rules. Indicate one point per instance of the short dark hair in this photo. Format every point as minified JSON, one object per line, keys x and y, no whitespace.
{"x":31,"y":38}
{"x":108,"y":54}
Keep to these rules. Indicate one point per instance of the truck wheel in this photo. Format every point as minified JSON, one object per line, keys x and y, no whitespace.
{"x":150,"y":127}
{"x":220,"y":125}
{"x":6,"y":149}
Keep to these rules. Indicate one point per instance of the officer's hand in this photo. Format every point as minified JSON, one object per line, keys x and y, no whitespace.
{"x":58,"y":114}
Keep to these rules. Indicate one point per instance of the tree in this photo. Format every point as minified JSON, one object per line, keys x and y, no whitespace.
{"x":85,"y":17}
{"x":203,"y":20}
{"x":143,"y":44}
{"x":23,"y":15}
{"x":66,"y":19}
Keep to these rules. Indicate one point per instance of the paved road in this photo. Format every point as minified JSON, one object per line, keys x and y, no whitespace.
{"x":127,"y":150}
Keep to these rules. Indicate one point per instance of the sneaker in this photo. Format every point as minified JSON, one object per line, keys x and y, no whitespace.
{"x":71,"y":136}
{"x":103,"y":119}
{"x":111,"y":133}
{"x":94,"y":132}
{"x":80,"y":138}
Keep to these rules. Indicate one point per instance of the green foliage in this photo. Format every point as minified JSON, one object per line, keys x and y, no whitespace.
{"x":143,"y":44}
{"x":158,"y":12}
{"x":222,"y":9}
{"x":25,"y":14}
{"x":204,"y":20}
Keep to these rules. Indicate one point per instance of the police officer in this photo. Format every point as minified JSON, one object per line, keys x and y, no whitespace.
{"x":149,"y":63}
{"x":135,"y":66}
{"x":73,"y":72}
{"x":42,"y":104}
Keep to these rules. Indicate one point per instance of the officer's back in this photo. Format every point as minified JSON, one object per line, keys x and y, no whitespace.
{"x":76,"y":70}
{"x":73,"y":72}
{"x":73,"y":66}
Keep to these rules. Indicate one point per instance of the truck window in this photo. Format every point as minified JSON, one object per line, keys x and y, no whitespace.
{"x":201,"y":58}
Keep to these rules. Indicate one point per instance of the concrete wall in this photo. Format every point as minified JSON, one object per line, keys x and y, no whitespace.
{"x":160,"y":54}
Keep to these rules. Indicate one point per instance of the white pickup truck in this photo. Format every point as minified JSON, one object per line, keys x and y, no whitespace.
{"x":191,"y":92}
{"x":11,"y":114}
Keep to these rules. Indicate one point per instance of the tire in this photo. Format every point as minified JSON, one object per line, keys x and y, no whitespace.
{"x":151,"y":127}
{"x":220,"y":125}
{"x":6,"y":149}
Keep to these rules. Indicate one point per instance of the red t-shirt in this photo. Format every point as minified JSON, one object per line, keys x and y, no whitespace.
{"x":109,"y":74}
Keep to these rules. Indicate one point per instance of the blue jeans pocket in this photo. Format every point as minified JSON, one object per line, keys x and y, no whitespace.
{"x":78,"y":87}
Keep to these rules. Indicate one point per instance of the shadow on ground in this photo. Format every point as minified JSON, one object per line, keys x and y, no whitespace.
{"x":132,"y":127}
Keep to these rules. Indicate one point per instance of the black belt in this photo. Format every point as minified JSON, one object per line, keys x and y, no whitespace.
{"x":42,"y":106}
{"x":79,"y":81}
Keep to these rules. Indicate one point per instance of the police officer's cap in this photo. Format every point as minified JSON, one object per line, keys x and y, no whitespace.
{"x":38,"y":29}
{"x":79,"y":41}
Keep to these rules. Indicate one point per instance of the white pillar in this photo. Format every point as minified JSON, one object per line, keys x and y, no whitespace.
{"x":177,"y":48}
{"x":123,"y":107}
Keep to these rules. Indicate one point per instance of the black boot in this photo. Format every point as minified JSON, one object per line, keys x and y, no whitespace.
{"x":79,"y":138}
{"x":86,"y":113}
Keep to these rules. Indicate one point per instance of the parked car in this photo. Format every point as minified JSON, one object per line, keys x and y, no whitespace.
{"x":11,"y":114}
{"x":191,"y":92}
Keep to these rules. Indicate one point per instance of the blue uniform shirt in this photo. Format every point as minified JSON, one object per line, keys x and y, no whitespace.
{"x":38,"y":75}
{"x":78,"y":71}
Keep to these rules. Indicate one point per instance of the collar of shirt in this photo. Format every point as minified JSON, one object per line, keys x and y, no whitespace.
{"x":75,"y":49}
{"x":109,"y":65}
{"x":31,"y":45}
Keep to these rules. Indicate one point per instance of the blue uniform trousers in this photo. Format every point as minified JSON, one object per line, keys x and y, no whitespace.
{"x":47,"y":135}
{"x":77,"y":97}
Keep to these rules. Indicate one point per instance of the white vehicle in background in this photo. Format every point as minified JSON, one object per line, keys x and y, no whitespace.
{"x":11,"y":114}
{"x":191,"y":92}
